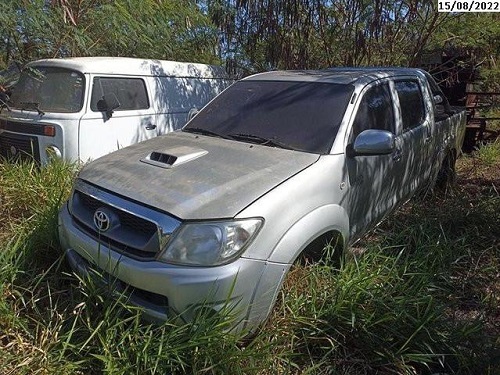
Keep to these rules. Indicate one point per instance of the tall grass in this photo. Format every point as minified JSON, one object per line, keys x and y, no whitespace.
{"x":53,"y":322}
{"x":489,"y":154}
{"x":420,"y":294}
{"x":387,"y":310}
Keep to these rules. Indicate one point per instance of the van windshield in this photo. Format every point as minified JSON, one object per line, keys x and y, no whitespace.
{"x":303,"y":116}
{"x":49,"y":89}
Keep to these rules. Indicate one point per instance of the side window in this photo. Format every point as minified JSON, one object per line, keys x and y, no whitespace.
{"x":375,"y":111}
{"x":130,"y":92}
{"x":411,"y":103}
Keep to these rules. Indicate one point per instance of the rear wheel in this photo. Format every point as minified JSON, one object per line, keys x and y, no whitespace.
{"x":447,"y":174}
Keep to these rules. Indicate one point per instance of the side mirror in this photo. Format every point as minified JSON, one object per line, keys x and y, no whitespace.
{"x":438,"y":99}
{"x":374,"y":142}
{"x":108,"y":104}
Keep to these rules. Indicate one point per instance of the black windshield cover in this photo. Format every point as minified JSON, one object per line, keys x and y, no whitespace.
{"x":302,"y":116}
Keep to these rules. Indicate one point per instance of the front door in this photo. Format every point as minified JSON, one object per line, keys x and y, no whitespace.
{"x":375,"y":181}
{"x":132,"y":121}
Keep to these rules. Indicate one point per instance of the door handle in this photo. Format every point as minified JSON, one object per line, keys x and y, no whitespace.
{"x":428,"y":133}
{"x":150,"y":127}
{"x":397,"y":155}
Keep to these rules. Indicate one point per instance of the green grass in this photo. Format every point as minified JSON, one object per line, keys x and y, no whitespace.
{"x":489,"y":154}
{"x":419,"y":294}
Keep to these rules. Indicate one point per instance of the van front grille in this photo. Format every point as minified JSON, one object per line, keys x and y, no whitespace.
{"x":16,"y":147}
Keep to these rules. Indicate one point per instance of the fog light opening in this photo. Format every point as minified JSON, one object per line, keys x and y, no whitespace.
{"x":205,"y":312}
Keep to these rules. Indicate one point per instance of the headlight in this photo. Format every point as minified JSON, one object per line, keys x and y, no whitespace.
{"x":53,"y":152}
{"x":211,"y":243}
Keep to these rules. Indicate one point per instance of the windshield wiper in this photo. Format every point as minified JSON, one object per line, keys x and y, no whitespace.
{"x":35,"y":105}
{"x":252,"y":138}
{"x":203,"y":131}
{"x":3,"y":104}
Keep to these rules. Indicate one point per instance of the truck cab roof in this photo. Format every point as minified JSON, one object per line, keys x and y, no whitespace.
{"x":334,"y":75}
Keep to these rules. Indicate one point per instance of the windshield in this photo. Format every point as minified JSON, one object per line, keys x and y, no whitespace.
{"x":303,"y":116}
{"x":49,"y":90}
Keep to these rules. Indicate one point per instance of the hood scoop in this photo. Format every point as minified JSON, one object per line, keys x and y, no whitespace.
{"x":173,"y":157}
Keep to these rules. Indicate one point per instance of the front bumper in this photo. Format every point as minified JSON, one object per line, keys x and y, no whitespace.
{"x":166,"y":290}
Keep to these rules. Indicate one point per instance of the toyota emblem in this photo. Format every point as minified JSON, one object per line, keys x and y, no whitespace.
{"x":101,"y":220}
{"x":13,"y":150}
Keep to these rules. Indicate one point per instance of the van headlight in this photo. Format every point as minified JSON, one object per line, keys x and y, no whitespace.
{"x":210,"y":243}
{"x":53,"y":152}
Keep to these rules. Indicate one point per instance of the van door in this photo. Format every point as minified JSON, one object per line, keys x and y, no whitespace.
{"x":176,"y":97}
{"x":131,"y":119}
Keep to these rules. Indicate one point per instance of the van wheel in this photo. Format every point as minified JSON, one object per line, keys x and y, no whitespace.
{"x":446,"y":177}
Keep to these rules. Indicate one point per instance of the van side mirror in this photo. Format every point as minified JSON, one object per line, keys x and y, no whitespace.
{"x":108,"y":104}
{"x":374,"y":142}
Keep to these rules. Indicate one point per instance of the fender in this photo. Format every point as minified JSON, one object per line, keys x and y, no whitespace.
{"x":316,"y":223}
{"x":321,"y":220}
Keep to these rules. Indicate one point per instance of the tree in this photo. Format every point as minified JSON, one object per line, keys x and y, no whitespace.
{"x":475,"y":37}
{"x":163,"y":29}
{"x":296,"y":34}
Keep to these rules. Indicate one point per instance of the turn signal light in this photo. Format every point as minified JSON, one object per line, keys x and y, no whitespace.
{"x":49,"y":130}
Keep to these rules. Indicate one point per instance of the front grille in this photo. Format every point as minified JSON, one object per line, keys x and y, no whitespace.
{"x":16,"y":147}
{"x":131,"y":222}
{"x":22,"y":127}
{"x":130,"y":234}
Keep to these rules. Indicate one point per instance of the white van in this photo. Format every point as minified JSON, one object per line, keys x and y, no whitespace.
{"x":82,"y":108}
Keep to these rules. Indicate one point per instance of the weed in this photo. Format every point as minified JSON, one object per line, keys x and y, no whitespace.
{"x":489,"y":154}
{"x":421,"y":297}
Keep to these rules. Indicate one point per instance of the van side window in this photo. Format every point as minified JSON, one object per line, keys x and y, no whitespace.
{"x":375,"y":111}
{"x":130,"y":92}
{"x":411,"y":103}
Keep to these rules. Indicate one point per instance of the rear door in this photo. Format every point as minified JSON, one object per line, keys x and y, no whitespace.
{"x":133,"y":121}
{"x":415,"y":128}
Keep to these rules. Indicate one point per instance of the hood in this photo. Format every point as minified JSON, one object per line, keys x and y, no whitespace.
{"x":193,"y":176}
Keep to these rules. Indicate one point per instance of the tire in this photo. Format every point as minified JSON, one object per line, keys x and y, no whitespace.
{"x":325,"y":249}
{"x":446,"y":176}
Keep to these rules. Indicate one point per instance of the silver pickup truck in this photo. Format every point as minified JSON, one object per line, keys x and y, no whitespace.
{"x":274,"y":168}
